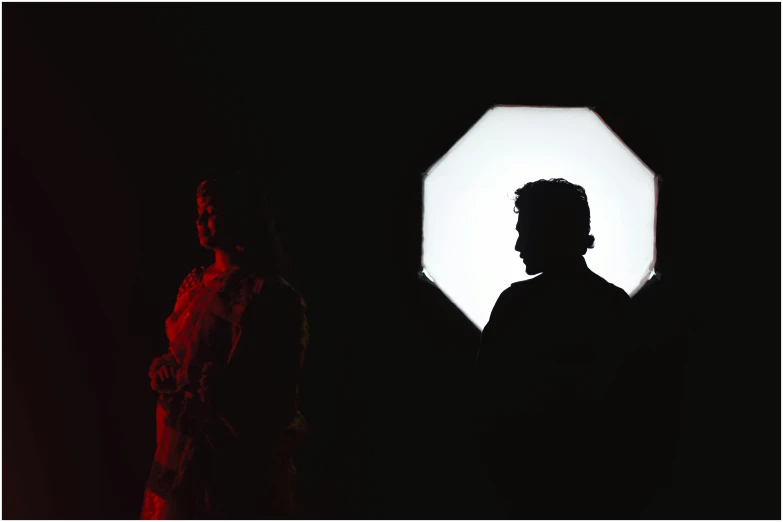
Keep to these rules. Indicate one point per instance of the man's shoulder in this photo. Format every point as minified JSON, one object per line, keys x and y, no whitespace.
{"x":611,"y":290}
{"x":538,"y":285}
{"x":600,"y":288}
{"x":524,"y":287}
{"x":521,"y":291}
{"x":527,"y":284}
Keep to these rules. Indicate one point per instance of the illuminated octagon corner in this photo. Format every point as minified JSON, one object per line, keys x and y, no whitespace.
{"x":469,"y":220}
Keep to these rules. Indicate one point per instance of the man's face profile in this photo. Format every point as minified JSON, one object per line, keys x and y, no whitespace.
{"x":525,"y":245}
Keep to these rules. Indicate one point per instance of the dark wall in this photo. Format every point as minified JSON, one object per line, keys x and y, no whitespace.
{"x":114,"y":112}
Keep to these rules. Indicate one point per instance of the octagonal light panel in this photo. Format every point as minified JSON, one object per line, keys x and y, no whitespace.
{"x":469,"y":219}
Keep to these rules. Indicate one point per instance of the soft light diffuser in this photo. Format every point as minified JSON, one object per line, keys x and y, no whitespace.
{"x":469,"y":219}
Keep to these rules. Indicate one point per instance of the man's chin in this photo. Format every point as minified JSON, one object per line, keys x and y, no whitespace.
{"x":532,"y":269}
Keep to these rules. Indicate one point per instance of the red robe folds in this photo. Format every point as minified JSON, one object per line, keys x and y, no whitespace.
{"x":227,"y":429}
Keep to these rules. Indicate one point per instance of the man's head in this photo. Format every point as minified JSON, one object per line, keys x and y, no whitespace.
{"x":553,"y":224}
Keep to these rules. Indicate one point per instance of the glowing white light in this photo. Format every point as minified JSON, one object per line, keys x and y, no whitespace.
{"x":427,"y":274}
{"x":469,"y":219}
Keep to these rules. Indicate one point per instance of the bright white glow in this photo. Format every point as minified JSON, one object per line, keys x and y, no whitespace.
{"x":427,"y":274}
{"x":469,"y":219}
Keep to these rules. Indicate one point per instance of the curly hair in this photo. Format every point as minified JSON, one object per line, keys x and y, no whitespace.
{"x":559,"y":211}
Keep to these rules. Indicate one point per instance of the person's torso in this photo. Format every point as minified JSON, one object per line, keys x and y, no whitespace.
{"x":205,"y":322}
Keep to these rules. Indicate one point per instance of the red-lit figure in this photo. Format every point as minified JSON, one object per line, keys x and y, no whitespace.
{"x":227,"y":417}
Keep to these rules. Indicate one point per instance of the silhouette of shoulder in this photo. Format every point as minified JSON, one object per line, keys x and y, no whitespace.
{"x":611,"y":289}
{"x":524,"y":287}
{"x":521,"y":286}
{"x":518,"y":290}
{"x":540,"y":289}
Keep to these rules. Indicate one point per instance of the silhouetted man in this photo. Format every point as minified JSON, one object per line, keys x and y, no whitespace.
{"x":551,"y":429}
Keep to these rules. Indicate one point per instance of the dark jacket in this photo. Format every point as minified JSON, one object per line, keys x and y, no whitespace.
{"x":549,"y":398}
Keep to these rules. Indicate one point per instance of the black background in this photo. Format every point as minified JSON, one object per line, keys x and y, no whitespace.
{"x":114,"y":112}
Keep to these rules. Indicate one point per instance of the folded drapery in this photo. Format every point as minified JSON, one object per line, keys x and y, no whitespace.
{"x":228,"y":422}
